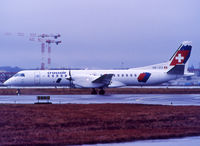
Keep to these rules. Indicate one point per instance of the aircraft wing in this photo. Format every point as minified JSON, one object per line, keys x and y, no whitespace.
{"x":92,"y":81}
{"x":104,"y":79}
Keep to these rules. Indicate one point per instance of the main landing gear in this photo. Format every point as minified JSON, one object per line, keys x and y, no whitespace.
{"x":94,"y":92}
{"x":101,"y":92}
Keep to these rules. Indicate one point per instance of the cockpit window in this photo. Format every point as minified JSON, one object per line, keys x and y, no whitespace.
{"x":22,"y":75}
{"x":19,"y":75}
{"x":16,"y":75}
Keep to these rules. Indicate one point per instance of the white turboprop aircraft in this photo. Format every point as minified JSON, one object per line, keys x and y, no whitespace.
{"x":101,"y":79}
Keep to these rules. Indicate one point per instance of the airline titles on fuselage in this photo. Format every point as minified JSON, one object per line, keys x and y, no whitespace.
{"x":62,"y":74}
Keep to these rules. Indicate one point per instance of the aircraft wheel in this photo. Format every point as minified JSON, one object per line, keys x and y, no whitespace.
{"x":102,"y":92}
{"x":94,"y":92}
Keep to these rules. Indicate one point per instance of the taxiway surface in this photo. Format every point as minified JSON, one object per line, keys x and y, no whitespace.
{"x":163,"y":99}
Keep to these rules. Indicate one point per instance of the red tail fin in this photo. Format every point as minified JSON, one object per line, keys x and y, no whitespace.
{"x":182,"y":55}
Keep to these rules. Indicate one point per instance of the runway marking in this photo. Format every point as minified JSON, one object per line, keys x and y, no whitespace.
{"x":139,"y":99}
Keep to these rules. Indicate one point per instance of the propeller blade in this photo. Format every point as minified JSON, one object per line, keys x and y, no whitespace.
{"x":70,"y":79}
{"x":70,"y":73}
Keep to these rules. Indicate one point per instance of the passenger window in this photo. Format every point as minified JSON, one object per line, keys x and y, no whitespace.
{"x":61,"y":76}
{"x":52,"y":75}
{"x":131,"y":75}
{"x":126,"y":75}
{"x":65,"y":75}
{"x":56,"y":75}
{"x":48,"y":76}
{"x":16,"y":75}
{"x":122,"y":75}
{"x":118,"y":75}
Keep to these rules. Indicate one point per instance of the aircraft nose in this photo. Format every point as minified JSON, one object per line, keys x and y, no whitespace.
{"x":7,"y":82}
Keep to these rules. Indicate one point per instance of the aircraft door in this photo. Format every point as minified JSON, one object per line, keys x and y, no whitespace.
{"x":21,"y":78}
{"x":37,"y":78}
{"x":22,"y":81}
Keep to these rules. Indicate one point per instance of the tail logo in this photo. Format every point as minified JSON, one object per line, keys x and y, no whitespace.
{"x":182,"y":55}
{"x":179,"y":58}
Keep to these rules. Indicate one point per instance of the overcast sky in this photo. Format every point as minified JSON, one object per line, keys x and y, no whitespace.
{"x":99,"y":33}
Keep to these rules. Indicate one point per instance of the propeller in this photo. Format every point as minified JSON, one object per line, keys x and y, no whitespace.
{"x":70,"y":80}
